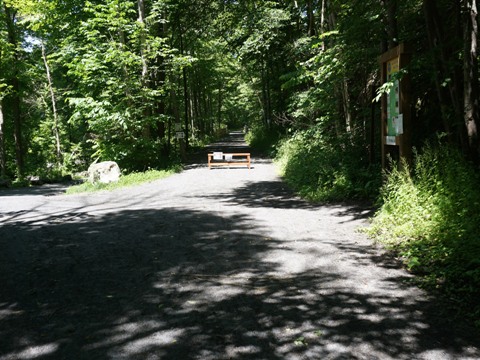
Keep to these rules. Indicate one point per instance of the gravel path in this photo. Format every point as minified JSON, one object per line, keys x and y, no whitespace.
{"x":206,"y":264}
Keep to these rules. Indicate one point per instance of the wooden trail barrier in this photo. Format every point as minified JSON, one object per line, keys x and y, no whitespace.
{"x":228,"y":159}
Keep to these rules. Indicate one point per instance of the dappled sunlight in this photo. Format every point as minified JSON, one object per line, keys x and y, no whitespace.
{"x":32,"y":352}
{"x":267,"y":194}
{"x":233,"y":267}
{"x":209,"y":288}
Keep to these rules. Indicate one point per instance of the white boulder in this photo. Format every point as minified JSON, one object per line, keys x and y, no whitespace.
{"x":104,"y":172}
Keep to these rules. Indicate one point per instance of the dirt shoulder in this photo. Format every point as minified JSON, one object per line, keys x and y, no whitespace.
{"x":206,"y":264}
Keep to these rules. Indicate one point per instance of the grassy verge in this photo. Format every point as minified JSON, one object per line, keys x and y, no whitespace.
{"x":125,"y":180}
{"x":430,"y":216}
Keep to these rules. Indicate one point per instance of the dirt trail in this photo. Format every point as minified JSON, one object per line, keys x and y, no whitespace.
{"x":206,"y":264}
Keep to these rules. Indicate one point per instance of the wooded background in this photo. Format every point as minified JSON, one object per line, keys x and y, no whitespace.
{"x":84,"y":80}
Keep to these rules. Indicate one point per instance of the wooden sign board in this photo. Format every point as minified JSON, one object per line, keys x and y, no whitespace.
{"x":396,"y":109}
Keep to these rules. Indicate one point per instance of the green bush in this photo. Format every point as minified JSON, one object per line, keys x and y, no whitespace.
{"x":324,"y":170}
{"x":430,"y":216}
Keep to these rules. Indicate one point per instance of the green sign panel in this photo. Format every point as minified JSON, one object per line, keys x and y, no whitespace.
{"x":394,"y":118}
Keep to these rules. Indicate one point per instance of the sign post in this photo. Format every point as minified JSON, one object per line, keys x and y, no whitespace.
{"x":396,"y":113}
{"x":180,"y":137}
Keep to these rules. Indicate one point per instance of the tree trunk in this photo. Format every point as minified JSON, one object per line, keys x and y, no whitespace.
{"x":346,"y":106}
{"x":186,"y":100}
{"x":141,"y":20}
{"x":392,"y":26}
{"x":185,"y":94}
{"x":311,"y":19}
{"x":322,"y":21}
{"x":471,"y":105}
{"x":56,"y":132}
{"x":15,"y":91}
{"x":344,"y":118}
{"x":264,"y":96}
{"x":3,"y":163}
{"x":176,"y":114}
{"x":158,"y":80}
{"x":269,"y":98}
{"x":219,"y":107}
{"x":390,"y":38}
{"x":438,"y":43}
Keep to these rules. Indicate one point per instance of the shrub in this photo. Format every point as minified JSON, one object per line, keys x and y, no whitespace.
{"x":262,"y":139}
{"x":322,"y":170}
{"x":430,"y":216}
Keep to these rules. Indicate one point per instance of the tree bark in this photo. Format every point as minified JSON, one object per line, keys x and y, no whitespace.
{"x":322,"y":21}
{"x":14,"y":95}
{"x":56,"y":131}
{"x":269,"y":97}
{"x":220,"y":103}
{"x":346,"y":106}
{"x":471,"y":103}
{"x":158,"y":80}
{"x":141,"y":20}
{"x":264,"y":96}
{"x":3,"y":163}
{"x":390,"y":25}
{"x":438,"y":44}
{"x":185,"y":94}
{"x":311,"y":19}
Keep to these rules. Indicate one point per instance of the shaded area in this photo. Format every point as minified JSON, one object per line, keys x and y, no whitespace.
{"x":234,"y":142}
{"x":181,"y":284}
{"x":40,"y":190}
{"x":263,"y":194}
{"x":277,"y":195}
{"x":98,"y":281}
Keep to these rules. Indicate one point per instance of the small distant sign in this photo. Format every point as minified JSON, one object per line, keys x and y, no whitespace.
{"x":180,"y":135}
{"x":390,"y":140}
{"x":178,"y":127}
{"x":397,"y":122}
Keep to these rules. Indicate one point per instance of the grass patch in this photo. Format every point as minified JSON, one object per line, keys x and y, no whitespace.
{"x":430,"y":215}
{"x":131,"y":179}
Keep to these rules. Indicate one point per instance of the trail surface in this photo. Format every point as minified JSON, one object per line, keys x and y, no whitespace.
{"x":206,"y":264}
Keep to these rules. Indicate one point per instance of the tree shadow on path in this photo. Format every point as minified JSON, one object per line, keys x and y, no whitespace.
{"x":183,"y":284}
{"x":177,"y":283}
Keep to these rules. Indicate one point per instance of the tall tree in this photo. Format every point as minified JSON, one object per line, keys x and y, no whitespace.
{"x":56,"y":129}
{"x":14,"y":96}
{"x":471,"y":101}
{"x":3,"y":163}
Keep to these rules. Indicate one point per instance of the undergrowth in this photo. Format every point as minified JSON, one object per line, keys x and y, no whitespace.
{"x":430,"y":215}
{"x":262,"y":139}
{"x":131,"y":179}
{"x":322,"y":170}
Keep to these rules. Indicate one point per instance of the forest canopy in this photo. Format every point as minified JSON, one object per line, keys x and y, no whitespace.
{"x":108,"y":80}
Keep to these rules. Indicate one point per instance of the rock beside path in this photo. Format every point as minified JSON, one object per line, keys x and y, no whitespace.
{"x":104,"y":172}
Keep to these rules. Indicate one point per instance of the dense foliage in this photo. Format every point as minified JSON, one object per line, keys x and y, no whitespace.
{"x":430,"y":216}
{"x":322,"y":171}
